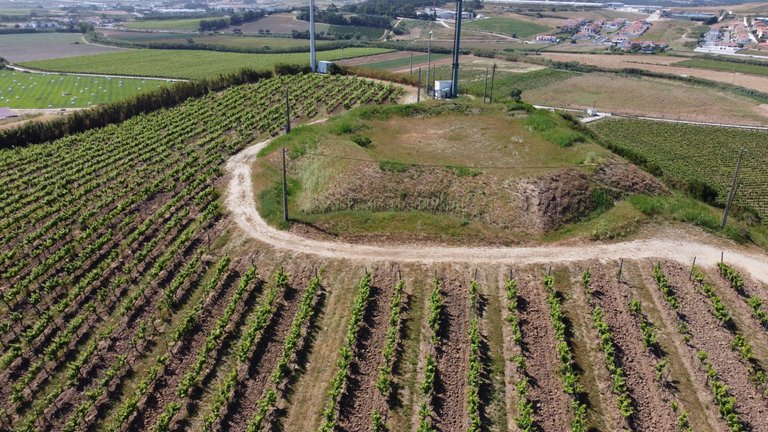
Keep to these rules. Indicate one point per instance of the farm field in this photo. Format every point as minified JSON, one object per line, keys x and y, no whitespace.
{"x":507,"y":26}
{"x":126,"y":219}
{"x":742,"y":68}
{"x":667,"y":65}
{"x":26,"y":90}
{"x":185,"y":63}
{"x":649,"y":97}
{"x":405,"y":62}
{"x":226,"y":41}
{"x":134,"y":297}
{"x":192,"y":24}
{"x":28,"y":47}
{"x":281,"y":23}
{"x":698,"y":153}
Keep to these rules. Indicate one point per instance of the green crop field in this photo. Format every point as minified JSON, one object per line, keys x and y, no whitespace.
{"x":185,"y":63}
{"x":26,"y":90}
{"x":507,"y":26}
{"x":191,"y":24}
{"x":703,"y":153}
{"x":754,"y":69}
{"x":404,"y":61}
{"x":225,"y":41}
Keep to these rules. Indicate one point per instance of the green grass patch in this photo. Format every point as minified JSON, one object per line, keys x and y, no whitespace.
{"x":191,"y":24}
{"x":554,"y":129}
{"x":720,"y":65}
{"x":681,"y":208}
{"x":31,"y":90}
{"x":507,"y":26}
{"x":472,"y":80}
{"x":185,"y":63}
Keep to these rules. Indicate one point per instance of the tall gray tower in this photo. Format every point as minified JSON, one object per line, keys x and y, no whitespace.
{"x":456,"y":47}
{"x":312,"y":59}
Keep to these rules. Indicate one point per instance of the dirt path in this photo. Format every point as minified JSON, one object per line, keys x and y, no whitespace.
{"x":241,"y":203}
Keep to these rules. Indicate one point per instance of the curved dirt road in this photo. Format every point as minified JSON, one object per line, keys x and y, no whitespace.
{"x":240,"y":202}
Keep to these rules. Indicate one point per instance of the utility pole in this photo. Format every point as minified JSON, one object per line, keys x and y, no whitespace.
{"x":456,"y":48}
{"x":493,"y":77}
{"x":411,"y":63}
{"x":418,"y":88}
{"x":287,"y":112}
{"x":312,"y":59}
{"x":429,"y":60}
{"x":734,"y":185}
{"x":485,"y":86}
{"x":285,"y":191}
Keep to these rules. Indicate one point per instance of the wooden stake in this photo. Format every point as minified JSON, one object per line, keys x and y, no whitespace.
{"x":693,"y":266}
{"x":621,"y":268}
{"x":285,"y":191}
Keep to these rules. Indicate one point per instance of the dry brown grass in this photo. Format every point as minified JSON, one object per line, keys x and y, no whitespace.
{"x":663,"y":65}
{"x":649,"y":97}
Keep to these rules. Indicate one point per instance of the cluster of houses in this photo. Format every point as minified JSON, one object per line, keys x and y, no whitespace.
{"x":622,"y":34}
{"x":442,"y":14}
{"x":583,"y":29}
{"x":760,"y":28}
{"x":727,"y":39}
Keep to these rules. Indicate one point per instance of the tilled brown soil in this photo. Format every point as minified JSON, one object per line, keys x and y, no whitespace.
{"x":550,"y":403}
{"x":250,"y":390}
{"x":361,"y":395}
{"x":652,"y":403}
{"x":710,"y":336}
{"x":452,"y":356}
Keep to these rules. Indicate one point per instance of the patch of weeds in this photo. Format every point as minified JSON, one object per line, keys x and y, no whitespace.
{"x":462,"y":171}
{"x":395,"y":167}
{"x":362,"y":141}
{"x":602,"y":201}
{"x":345,"y":125}
{"x":271,"y":201}
{"x":553,"y":130}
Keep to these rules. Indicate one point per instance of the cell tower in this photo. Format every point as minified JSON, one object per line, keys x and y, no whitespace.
{"x":312,"y":60}
{"x":456,"y":46}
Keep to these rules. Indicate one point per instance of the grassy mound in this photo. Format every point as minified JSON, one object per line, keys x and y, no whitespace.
{"x":450,"y":171}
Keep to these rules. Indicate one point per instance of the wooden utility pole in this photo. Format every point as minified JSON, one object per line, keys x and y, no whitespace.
{"x":287,"y":112}
{"x":411,"y":63}
{"x":285,"y":191}
{"x":418,"y":88}
{"x":493,"y":77}
{"x":485,"y":86}
{"x":734,"y":184}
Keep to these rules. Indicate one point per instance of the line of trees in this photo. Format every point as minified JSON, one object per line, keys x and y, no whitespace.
{"x":332,"y":16}
{"x":234,"y":19}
